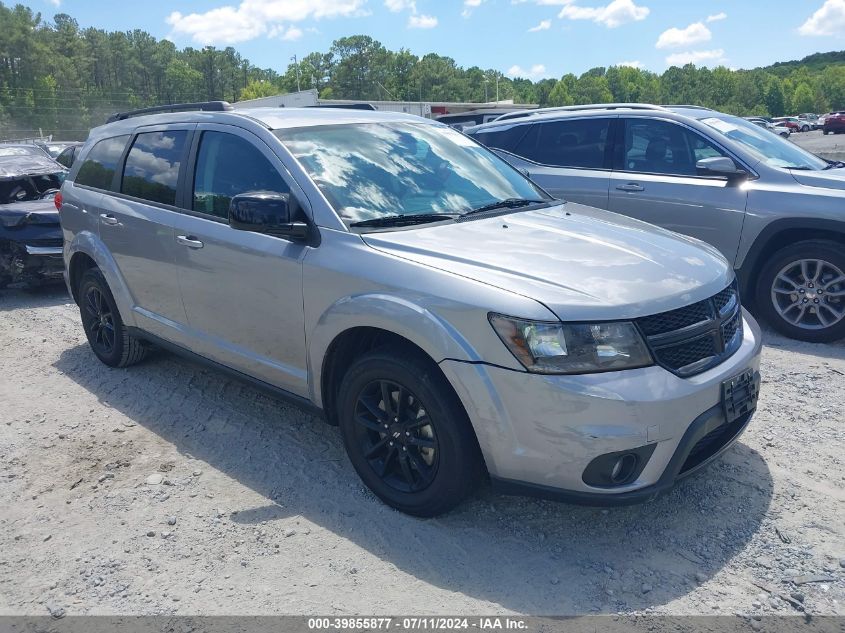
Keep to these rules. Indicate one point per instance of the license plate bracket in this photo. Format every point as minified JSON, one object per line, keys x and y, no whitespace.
{"x":739,"y":395}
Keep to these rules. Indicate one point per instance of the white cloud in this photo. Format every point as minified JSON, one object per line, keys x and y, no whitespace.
{"x":400,"y":5}
{"x":254,"y":18}
{"x":676,"y":38}
{"x":717,"y":16}
{"x":469,"y":5}
{"x":55,"y":3}
{"x":632,"y":64}
{"x":697,"y":57}
{"x":422,"y":21}
{"x":617,"y":13}
{"x":292,"y":34}
{"x":828,"y":20}
{"x":545,"y":25}
{"x":535,"y":72}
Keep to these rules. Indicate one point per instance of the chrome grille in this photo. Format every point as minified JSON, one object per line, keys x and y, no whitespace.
{"x":692,"y":339}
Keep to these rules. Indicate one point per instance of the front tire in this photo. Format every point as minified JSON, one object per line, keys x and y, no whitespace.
{"x":801,"y":291}
{"x":107,"y":335}
{"x":407,"y":434}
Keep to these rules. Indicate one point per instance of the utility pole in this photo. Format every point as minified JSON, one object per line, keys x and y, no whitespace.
{"x":486,"y":99}
{"x":296,"y":63}
{"x":497,"y":87}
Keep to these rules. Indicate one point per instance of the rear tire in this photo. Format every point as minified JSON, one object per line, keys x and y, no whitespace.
{"x":801,"y":291}
{"x":107,"y":335}
{"x":418,"y":453}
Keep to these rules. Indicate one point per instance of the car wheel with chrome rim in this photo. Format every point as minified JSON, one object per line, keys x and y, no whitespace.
{"x":802,"y":291}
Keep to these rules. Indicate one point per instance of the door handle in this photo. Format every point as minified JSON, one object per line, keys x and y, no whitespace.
{"x":189,"y":240}
{"x":108,"y":218}
{"x":631,"y":186}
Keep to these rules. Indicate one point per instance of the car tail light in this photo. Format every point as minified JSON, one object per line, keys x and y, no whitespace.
{"x":57,"y":200}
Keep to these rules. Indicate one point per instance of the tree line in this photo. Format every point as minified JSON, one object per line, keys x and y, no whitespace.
{"x":59,"y":78}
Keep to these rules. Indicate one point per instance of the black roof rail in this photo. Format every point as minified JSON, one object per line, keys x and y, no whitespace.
{"x":206,"y":106}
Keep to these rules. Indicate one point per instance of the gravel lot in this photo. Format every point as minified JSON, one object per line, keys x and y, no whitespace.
{"x":831,"y":146}
{"x":168,"y":488}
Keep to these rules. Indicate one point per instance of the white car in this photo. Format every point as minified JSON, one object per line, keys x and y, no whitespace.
{"x":781,"y":130}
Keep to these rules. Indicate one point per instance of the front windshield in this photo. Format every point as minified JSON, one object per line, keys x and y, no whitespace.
{"x":376,"y":170}
{"x":768,"y":147}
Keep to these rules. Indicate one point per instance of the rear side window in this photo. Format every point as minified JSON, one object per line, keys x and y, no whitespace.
{"x":226,"y":166}
{"x":579,"y":143}
{"x":152,"y":166}
{"x":506,"y":138}
{"x":66,"y":157}
{"x":97,"y":170}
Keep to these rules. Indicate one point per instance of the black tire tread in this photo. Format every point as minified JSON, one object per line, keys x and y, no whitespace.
{"x":427,"y":372}
{"x":133,"y":349}
{"x":807,"y":248}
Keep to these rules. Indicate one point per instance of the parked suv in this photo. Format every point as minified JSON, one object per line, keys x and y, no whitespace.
{"x":773,"y":209}
{"x":834,"y":122}
{"x":405,"y":282}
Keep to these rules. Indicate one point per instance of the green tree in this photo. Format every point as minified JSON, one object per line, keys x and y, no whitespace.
{"x":561,"y":94}
{"x":803,"y":99}
{"x":258,"y":88}
{"x":774,"y":100}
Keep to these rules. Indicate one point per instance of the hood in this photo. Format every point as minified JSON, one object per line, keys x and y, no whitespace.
{"x":14,"y":167}
{"x":828,"y":179}
{"x":580,"y":262}
{"x":16,"y":214}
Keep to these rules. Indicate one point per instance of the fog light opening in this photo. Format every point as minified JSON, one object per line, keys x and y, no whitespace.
{"x":623,"y":468}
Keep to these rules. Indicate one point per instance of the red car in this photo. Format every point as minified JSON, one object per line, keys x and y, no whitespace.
{"x":791,"y":122}
{"x":834,"y":122}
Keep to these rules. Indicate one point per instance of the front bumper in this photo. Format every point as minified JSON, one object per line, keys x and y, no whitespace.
{"x":21,"y":262}
{"x":538,"y":433}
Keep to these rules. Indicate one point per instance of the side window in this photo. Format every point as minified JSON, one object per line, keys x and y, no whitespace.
{"x":661,"y":147}
{"x":226,"y":166}
{"x":568,"y":143}
{"x":66,"y":157}
{"x":506,"y":138}
{"x":152,"y":166}
{"x":97,"y":170}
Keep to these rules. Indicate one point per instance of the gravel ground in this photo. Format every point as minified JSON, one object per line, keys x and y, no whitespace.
{"x":831,"y":146}
{"x":168,"y":488}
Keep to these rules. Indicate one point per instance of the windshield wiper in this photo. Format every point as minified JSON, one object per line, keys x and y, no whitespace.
{"x":405,"y":219}
{"x":834,"y":164}
{"x":507,"y":203}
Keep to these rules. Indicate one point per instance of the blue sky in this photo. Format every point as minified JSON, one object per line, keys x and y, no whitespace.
{"x":533,"y":38}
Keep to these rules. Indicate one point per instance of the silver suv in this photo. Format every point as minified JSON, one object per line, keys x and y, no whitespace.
{"x":775,"y":211}
{"x":418,"y":291}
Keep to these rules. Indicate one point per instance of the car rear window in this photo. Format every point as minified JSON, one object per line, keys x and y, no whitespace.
{"x":97,"y":170}
{"x":152,"y":166}
{"x":578,"y":143}
{"x":505,"y":138}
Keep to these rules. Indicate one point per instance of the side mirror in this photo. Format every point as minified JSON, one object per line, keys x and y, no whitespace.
{"x":719,"y":166}
{"x":265,"y":212}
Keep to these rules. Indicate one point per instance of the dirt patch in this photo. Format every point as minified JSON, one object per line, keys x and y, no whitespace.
{"x":170,"y":488}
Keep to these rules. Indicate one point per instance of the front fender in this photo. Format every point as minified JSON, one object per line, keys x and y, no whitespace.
{"x":90,"y":244}
{"x":399,"y":315}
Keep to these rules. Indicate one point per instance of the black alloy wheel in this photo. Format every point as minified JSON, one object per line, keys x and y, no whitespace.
{"x":99,"y":321}
{"x":396,"y":436}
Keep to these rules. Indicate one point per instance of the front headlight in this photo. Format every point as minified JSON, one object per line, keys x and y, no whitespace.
{"x":572,"y":348}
